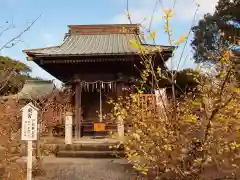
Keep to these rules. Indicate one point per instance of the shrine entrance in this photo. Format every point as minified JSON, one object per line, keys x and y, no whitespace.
{"x":94,"y":97}
{"x":92,"y":105}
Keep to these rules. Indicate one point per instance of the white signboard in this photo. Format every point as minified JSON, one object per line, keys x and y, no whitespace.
{"x":29,"y":122}
{"x":68,"y":129}
{"x":29,"y":132}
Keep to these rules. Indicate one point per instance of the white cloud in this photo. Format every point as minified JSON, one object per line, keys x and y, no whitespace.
{"x":137,"y":16}
{"x":184,"y":10}
{"x":48,"y":39}
{"x":139,"y":10}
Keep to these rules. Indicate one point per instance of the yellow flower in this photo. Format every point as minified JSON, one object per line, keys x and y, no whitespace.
{"x":167,"y":147}
{"x":168,"y":14}
{"x":152,"y":36}
{"x":181,"y":39}
{"x":226,"y":56}
{"x":136,"y":45}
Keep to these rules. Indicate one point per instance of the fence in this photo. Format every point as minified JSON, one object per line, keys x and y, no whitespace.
{"x":152,"y":105}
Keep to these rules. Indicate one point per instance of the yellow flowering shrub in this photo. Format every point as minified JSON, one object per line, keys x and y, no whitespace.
{"x":205,"y":134}
{"x":194,"y":137}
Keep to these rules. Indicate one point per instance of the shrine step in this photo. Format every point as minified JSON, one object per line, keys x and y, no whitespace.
{"x":90,"y":154}
{"x":90,"y":147}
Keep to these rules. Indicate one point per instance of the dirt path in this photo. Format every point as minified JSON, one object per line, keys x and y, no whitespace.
{"x":87,"y":169}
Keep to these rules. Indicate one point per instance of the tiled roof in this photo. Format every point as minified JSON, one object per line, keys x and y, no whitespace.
{"x":35,"y":89}
{"x":93,"y":40}
{"x":90,"y":44}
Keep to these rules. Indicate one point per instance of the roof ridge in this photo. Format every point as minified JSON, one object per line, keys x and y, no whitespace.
{"x":104,"y":29}
{"x":108,"y":34}
{"x":98,"y":25}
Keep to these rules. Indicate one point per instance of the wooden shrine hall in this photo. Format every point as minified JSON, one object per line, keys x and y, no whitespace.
{"x":99,"y":62}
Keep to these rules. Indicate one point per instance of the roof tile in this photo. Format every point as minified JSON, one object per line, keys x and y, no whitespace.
{"x":99,"y":44}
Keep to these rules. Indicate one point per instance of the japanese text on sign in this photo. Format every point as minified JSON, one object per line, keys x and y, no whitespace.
{"x":29,"y":123}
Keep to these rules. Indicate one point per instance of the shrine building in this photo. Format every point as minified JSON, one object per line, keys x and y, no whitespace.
{"x":100,"y":63}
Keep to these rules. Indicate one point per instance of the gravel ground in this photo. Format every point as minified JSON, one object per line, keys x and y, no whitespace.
{"x":87,"y":169}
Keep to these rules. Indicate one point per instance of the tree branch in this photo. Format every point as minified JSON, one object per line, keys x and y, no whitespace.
{"x":19,"y":35}
{"x":11,"y":43}
{"x":11,"y":26}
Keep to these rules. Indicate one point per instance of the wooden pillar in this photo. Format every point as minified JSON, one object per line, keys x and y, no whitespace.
{"x":100,"y":102}
{"x":80,"y":111}
{"x":76,"y":111}
{"x":78,"y":121}
{"x":119,"y":93}
{"x":120,"y":85}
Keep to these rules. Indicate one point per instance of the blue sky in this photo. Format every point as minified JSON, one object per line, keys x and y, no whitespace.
{"x":57,"y":14}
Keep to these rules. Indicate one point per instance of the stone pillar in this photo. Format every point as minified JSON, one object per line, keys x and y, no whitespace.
{"x":68,"y":128}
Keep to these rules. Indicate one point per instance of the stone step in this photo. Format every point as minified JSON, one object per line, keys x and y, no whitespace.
{"x":90,"y":147}
{"x":90,"y":154}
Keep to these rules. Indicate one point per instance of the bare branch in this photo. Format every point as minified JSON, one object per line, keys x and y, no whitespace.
{"x":189,"y":32}
{"x":128,"y":15}
{"x":15,"y":40}
{"x":152,"y":16}
{"x":6,"y":29}
{"x":11,"y":41}
{"x":7,"y":79}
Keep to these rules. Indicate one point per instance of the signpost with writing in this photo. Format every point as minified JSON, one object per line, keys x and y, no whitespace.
{"x":68,"y":128}
{"x":29,"y":132}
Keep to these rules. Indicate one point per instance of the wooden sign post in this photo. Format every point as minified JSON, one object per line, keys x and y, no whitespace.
{"x":68,"y":128}
{"x":29,"y":132}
